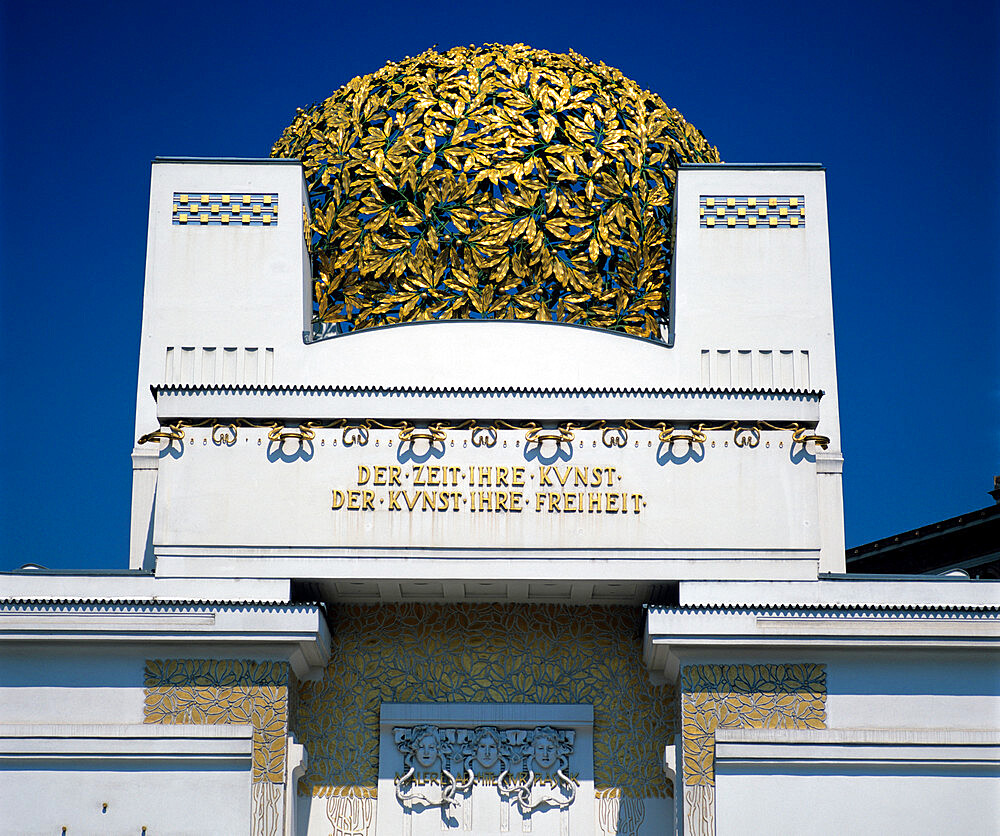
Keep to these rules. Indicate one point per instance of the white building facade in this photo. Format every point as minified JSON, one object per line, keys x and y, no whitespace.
{"x":491,"y":577}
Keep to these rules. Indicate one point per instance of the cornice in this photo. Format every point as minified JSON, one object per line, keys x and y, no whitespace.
{"x":298,"y":632}
{"x":674,"y":634}
{"x":483,"y":391}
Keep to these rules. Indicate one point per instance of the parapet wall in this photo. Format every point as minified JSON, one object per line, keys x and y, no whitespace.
{"x":728,"y":425}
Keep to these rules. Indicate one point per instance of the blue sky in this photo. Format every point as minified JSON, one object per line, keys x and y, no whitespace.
{"x":899,"y":101}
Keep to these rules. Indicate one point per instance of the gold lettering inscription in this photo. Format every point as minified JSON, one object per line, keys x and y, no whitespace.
{"x":557,"y":489}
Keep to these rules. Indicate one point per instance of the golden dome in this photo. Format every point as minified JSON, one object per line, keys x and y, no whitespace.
{"x":493,"y":182}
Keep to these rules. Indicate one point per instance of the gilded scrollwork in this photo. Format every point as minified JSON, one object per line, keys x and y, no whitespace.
{"x":174,"y":432}
{"x":614,"y":436}
{"x":353,"y":432}
{"x":695,"y":434}
{"x":352,"y":435}
{"x":224,"y":434}
{"x":432,"y":433}
{"x":484,"y":436}
{"x":493,"y":182}
{"x":559,"y":435}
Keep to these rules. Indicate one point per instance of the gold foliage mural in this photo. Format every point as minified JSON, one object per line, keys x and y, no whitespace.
{"x":498,"y":182}
{"x":492,"y":653}
{"x":212,"y":692}
{"x":745,"y":697}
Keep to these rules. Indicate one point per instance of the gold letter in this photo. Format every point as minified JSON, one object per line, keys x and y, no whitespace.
{"x":338,"y":500}
{"x":364,"y":474}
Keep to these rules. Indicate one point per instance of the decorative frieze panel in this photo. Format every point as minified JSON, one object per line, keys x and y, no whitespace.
{"x":515,"y":761}
{"x":552,"y":443}
{"x":485,"y":768}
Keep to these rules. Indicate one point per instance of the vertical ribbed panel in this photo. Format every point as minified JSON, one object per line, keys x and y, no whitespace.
{"x":218,"y":366}
{"x":746,"y":368}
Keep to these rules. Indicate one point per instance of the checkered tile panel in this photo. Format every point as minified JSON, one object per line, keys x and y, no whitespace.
{"x":221,"y":209}
{"x":752,"y":211}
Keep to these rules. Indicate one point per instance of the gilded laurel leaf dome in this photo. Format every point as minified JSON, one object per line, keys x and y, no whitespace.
{"x":493,"y":182}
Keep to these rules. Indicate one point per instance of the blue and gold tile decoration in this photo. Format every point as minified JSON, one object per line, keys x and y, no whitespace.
{"x":221,"y":209}
{"x":752,"y":211}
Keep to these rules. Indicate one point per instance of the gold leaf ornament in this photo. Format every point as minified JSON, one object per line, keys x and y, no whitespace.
{"x":507,"y":163}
